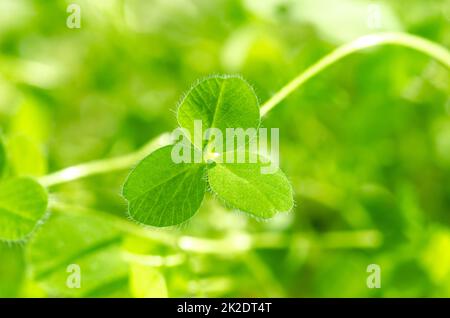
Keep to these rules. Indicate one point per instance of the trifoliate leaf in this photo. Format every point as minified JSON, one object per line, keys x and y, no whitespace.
{"x":78,"y":255}
{"x":23,"y":202}
{"x":163,"y":193}
{"x":219,"y":102}
{"x":244,"y":187}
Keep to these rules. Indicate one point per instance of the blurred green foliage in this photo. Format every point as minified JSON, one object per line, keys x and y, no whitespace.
{"x":366,"y":145}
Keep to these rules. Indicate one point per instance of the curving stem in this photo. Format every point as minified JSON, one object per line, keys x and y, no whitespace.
{"x":434,"y":50}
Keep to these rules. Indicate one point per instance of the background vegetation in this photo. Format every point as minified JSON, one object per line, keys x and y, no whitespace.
{"x":366,"y":145}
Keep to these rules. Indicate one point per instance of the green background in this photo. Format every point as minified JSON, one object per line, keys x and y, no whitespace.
{"x":365,"y":144}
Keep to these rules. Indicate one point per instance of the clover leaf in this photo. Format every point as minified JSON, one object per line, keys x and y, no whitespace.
{"x":161,"y":192}
{"x":219,"y":102}
{"x":243,"y":186}
{"x":23,"y":203}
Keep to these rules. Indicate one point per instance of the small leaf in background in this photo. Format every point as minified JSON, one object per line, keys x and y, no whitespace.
{"x":87,"y":241}
{"x":25,"y":157}
{"x":163,"y":193}
{"x":385,"y":214}
{"x":219,"y":102}
{"x":147,"y":282}
{"x":244,"y":187}
{"x":12,"y":269}
{"x":23,"y":203}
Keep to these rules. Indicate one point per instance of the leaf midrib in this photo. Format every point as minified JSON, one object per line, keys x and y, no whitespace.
{"x":218,"y":103}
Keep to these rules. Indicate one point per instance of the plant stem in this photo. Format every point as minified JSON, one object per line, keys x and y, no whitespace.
{"x":231,"y":244}
{"x":104,"y":165}
{"x":425,"y":46}
{"x":155,"y":260}
{"x":432,"y":49}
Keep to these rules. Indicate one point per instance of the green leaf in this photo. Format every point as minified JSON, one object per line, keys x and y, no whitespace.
{"x":243,"y":186}
{"x":219,"y":102}
{"x":163,"y":193}
{"x":88,"y":242}
{"x":23,"y":203}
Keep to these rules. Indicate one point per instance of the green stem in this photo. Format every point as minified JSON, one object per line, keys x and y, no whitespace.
{"x":425,"y":46}
{"x":155,"y":260}
{"x":104,"y":165}
{"x":231,"y":244}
